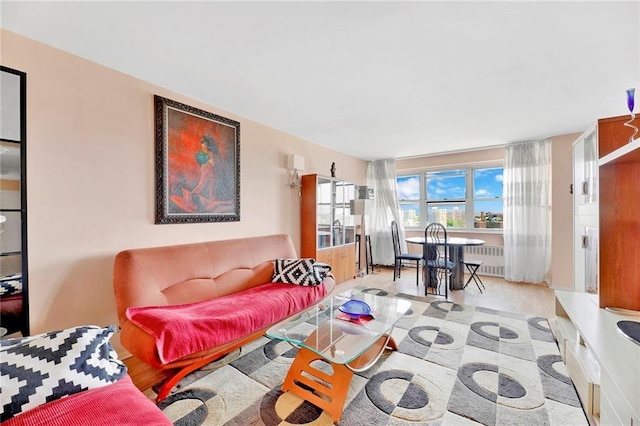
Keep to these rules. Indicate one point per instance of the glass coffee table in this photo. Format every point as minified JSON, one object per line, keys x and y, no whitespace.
{"x":348,"y":343}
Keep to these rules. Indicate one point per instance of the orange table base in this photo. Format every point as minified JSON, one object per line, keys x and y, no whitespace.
{"x":329,"y":391}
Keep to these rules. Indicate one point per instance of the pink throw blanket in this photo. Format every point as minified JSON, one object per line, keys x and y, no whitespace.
{"x":181,"y":330}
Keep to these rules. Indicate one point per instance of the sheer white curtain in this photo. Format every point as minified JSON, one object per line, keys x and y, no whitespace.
{"x":381,"y":176}
{"x":527,"y":211}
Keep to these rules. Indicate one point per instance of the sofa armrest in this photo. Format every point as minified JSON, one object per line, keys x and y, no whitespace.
{"x":330,"y":284}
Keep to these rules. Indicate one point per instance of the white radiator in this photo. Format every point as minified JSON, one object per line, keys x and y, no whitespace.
{"x":492,"y":259}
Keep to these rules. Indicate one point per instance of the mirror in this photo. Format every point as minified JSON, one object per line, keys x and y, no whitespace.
{"x":14,"y":308}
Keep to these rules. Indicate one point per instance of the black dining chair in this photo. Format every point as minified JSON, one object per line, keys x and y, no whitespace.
{"x":438,"y":268}
{"x":399,"y":257}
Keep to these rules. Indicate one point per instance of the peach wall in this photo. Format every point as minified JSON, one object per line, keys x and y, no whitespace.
{"x":90,"y":174}
{"x":562,"y":205}
{"x":561,"y":273}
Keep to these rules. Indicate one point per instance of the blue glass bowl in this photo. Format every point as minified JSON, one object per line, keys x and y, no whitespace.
{"x":355,"y":308}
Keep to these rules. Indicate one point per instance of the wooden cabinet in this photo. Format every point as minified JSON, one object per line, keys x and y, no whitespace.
{"x":602,"y":364}
{"x":344,"y":259}
{"x":619,"y":214}
{"x":328,"y":228}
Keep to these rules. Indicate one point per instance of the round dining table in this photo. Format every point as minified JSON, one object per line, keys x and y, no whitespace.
{"x":456,"y":255}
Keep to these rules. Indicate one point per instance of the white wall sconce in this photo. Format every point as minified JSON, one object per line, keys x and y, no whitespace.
{"x":295,"y":163}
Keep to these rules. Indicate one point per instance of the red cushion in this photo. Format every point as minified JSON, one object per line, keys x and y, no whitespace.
{"x":181,"y":330}
{"x":118,"y":404}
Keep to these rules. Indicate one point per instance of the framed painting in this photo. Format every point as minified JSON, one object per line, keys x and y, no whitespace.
{"x":197,"y":165}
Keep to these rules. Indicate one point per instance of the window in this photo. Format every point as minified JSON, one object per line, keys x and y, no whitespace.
{"x":463,"y":199}
{"x":446,"y":198}
{"x":487,"y":198}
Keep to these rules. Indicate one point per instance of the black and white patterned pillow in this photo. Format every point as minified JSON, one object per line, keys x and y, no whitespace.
{"x":38,"y":369}
{"x":11,"y":285}
{"x":305,"y":272}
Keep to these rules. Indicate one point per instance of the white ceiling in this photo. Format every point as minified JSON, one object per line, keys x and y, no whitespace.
{"x":370,"y":79}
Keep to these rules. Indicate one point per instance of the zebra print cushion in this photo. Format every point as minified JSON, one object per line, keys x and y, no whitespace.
{"x":305,"y":272}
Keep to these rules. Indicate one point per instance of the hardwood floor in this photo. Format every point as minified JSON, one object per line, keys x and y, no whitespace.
{"x":535,"y":299}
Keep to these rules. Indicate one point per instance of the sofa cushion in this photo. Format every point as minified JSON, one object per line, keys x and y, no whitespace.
{"x":38,"y":369}
{"x":181,"y":330}
{"x":305,"y":272}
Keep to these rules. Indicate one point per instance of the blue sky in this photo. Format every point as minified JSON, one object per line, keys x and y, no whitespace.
{"x":488,"y":183}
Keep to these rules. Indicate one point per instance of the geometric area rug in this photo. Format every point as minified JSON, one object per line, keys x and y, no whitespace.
{"x":455,"y":365}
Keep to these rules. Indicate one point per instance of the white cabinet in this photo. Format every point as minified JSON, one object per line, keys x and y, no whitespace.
{"x":585,"y":210}
{"x":602,"y":364}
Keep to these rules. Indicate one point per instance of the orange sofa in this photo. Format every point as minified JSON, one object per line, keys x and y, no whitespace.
{"x":165,"y":297}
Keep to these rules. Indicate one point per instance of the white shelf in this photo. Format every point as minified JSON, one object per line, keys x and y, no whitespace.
{"x":620,"y":153}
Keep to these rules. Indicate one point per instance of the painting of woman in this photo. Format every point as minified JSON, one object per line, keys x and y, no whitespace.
{"x":202,"y":167}
{"x":203,"y":197}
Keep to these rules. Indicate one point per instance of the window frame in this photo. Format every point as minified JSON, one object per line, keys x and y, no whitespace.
{"x":468,"y":201}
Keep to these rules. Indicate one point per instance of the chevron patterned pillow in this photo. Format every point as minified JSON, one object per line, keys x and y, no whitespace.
{"x":37,"y":369}
{"x":305,"y":272}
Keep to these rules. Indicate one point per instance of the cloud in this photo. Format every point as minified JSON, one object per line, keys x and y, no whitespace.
{"x":483,"y":193}
{"x":457,"y":192}
{"x":409,"y":189}
{"x":498,"y":178}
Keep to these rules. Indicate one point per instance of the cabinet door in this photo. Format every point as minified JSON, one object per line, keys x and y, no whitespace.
{"x":586,"y":266}
{"x":349,"y":261}
{"x":325,"y":256}
{"x":338,"y":213}
{"x":344,"y":262}
{"x":324,"y":213}
{"x":590,"y":183}
{"x":591,"y":259}
{"x":349,"y":218}
{"x":585,"y":221}
{"x":578,"y":173}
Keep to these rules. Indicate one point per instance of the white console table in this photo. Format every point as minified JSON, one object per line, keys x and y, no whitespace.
{"x":603,"y":364}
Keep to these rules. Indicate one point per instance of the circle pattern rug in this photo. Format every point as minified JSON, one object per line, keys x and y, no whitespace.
{"x":455,"y":365}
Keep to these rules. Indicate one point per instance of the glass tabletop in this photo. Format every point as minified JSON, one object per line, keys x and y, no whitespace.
{"x":337,"y":336}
